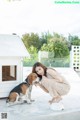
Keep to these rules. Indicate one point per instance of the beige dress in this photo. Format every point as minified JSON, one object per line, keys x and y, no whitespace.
{"x":55,"y":83}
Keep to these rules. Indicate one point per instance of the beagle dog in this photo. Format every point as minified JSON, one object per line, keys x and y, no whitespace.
{"x":22,"y":92}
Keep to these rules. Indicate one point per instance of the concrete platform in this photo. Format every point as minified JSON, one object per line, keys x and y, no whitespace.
{"x":40,"y":109}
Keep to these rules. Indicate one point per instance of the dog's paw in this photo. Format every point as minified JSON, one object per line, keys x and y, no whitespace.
{"x":11,"y":104}
{"x":7,"y":104}
{"x":28,"y":102}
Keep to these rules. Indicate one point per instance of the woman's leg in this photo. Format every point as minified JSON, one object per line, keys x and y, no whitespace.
{"x":55,"y":99}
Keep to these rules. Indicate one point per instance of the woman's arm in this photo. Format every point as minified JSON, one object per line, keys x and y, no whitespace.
{"x":55,"y":75}
{"x":42,"y":87}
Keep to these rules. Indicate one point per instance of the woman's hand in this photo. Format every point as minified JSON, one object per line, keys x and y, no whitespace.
{"x":41,"y":86}
{"x":37,"y":84}
{"x":44,"y":77}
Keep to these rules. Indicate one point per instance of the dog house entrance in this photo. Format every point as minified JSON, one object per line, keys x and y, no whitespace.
{"x":9,"y":73}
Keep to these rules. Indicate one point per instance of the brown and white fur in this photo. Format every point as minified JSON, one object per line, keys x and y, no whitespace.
{"x":22,"y":92}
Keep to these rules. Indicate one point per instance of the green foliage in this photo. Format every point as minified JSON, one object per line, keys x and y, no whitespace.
{"x":57,"y":37}
{"x":30,"y":61}
{"x":47,"y":47}
{"x":31,"y":40}
{"x":60,"y":49}
{"x":58,"y":45}
{"x":32,"y":50}
{"x":74,"y":40}
{"x":45,"y":37}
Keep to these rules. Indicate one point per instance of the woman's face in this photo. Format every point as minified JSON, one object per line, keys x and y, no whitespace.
{"x":39,"y":70}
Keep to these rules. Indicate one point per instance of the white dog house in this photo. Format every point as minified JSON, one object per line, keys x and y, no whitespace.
{"x":12,"y":52}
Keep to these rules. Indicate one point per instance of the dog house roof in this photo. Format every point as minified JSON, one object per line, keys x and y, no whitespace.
{"x":12,"y":45}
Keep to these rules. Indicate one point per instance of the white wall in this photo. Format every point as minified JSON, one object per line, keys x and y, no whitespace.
{"x":6,"y":86}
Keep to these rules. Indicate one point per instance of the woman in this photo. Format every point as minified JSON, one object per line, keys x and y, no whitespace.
{"x":51,"y":82}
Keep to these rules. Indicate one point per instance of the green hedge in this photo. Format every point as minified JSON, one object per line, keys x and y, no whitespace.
{"x":53,"y":62}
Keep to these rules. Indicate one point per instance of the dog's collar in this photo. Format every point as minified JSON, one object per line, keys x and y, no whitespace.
{"x":40,"y":79}
{"x":27,"y":82}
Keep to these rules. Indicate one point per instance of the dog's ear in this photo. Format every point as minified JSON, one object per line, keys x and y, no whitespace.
{"x":30,"y":79}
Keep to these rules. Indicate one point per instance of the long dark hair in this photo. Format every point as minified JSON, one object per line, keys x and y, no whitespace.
{"x":37,"y":64}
